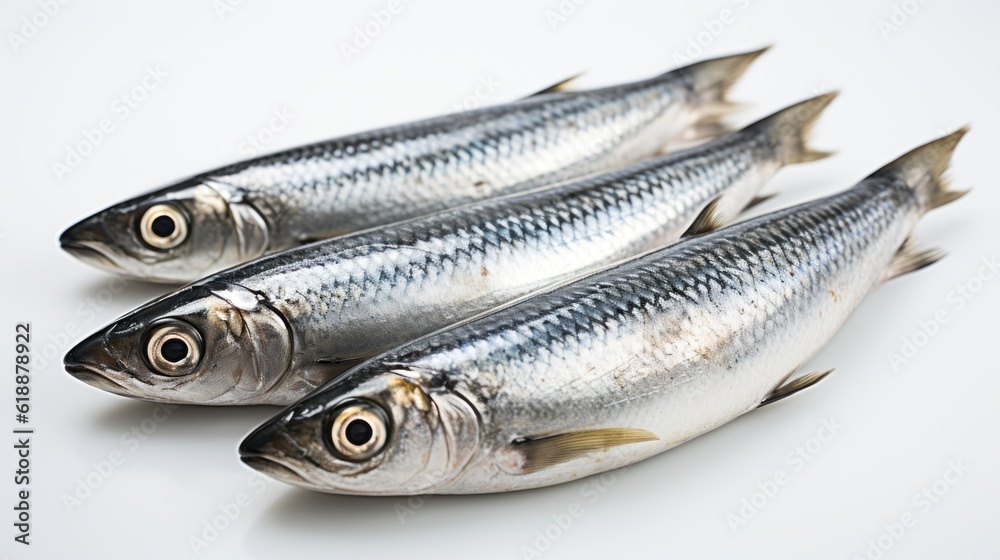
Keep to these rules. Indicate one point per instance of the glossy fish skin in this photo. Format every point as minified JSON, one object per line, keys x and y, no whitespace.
{"x":655,"y":351}
{"x":327,"y":306}
{"x":260,"y":206}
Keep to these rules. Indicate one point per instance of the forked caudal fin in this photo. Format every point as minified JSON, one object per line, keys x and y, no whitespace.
{"x":923,"y":169}
{"x":711,"y":79}
{"x":710,"y":84}
{"x":788,"y":131}
{"x":790,"y":128}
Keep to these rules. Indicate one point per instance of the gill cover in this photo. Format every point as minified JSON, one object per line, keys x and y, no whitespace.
{"x":254,"y":343}
{"x":238,"y":347}
{"x":432,"y":433}
{"x":457,"y":429}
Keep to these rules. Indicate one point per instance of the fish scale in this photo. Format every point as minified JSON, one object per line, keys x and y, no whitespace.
{"x":496,"y":151}
{"x":274,"y":202}
{"x":622,"y":364}
{"x":347,"y":299}
{"x":500,"y":358}
{"x":501,"y":232}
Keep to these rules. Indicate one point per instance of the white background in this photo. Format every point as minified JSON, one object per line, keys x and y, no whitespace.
{"x":225,"y":75}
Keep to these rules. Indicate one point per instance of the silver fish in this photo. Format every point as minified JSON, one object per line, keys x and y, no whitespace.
{"x":271,"y":330}
{"x":243,"y":211}
{"x":616,"y":367}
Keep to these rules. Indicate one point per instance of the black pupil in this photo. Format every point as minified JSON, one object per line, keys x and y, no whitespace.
{"x":163,"y":226}
{"x":358,"y":432}
{"x":174,"y":350}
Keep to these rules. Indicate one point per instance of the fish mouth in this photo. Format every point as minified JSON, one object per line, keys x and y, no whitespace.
{"x":274,"y":469}
{"x":260,"y":451}
{"x":86,"y":362}
{"x":95,"y":377}
{"x":90,"y":253}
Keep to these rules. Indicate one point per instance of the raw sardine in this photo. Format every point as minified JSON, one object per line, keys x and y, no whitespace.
{"x":616,"y":367}
{"x":272,"y":330}
{"x":260,"y":206}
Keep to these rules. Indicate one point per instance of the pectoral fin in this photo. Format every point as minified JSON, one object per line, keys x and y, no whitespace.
{"x":342,"y":363}
{"x":789,"y":388}
{"x":544,"y":452}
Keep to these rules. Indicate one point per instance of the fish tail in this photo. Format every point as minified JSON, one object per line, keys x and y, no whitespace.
{"x":709,"y":84}
{"x":923,"y":169}
{"x":789,"y":129}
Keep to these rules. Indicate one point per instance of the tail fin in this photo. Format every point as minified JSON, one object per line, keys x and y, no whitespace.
{"x":711,"y":79}
{"x":923,"y":169}
{"x":710,"y":83}
{"x":790,"y":128}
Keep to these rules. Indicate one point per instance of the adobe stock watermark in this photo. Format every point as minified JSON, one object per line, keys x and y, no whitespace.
{"x":561,"y":12}
{"x":955,"y":300}
{"x":795,"y":461}
{"x":415,"y":503}
{"x":121,"y":108}
{"x":129,"y":442}
{"x":55,"y":343}
{"x":819,"y":89}
{"x":255,"y":143}
{"x":605,"y":139}
{"x":228,"y":512}
{"x":366,"y":32}
{"x":712,"y":29}
{"x":562,"y":521}
{"x":225,"y":7}
{"x":922,"y":501}
{"x":30,"y":26}
{"x":485,"y":88}
{"x":899,"y":16}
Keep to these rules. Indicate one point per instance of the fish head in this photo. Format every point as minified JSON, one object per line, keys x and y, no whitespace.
{"x":210,"y":343}
{"x":372,"y":431}
{"x":173,"y":235}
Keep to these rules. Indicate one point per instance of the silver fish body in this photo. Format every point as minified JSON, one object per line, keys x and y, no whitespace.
{"x":615,"y":367}
{"x":271,"y":330}
{"x":270,"y":203}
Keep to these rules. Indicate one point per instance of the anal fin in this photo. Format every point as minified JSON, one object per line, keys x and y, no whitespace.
{"x":708,"y":220}
{"x":789,"y":388}
{"x":759,"y":199}
{"x":911,"y":257}
{"x":711,"y":218}
{"x":543,"y":452}
{"x":697,"y":134}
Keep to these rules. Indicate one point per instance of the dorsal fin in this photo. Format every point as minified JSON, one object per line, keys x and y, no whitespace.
{"x":911,"y":257}
{"x":708,"y":220}
{"x":558,"y":86}
{"x":789,"y":388}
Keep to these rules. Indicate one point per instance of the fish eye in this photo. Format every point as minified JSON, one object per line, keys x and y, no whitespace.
{"x":163,"y":227}
{"x":173,"y":348}
{"x":358,"y":431}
